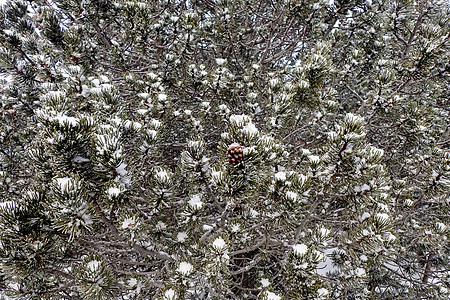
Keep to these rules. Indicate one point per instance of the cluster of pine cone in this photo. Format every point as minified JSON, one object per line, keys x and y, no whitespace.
{"x":235,"y":155}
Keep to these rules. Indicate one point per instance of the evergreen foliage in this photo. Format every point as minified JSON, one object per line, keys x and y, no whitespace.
{"x":222,"y":149}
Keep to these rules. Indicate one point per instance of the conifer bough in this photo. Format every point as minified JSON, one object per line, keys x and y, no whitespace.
{"x":224,"y":149}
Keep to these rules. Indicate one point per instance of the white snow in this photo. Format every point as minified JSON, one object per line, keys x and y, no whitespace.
{"x":129,"y":222}
{"x":302,"y":179}
{"x":181,"y":237}
{"x":235,"y":228}
{"x":121,"y":169}
{"x":161,"y":225}
{"x":224,"y":108}
{"x":292,"y":196}
{"x":365,"y":216}
{"x":383,"y":216}
{"x":360,"y":272}
{"x":195,"y":202}
{"x":239,"y":119}
{"x":64,"y":183}
{"x":250,"y":128}
{"x":155,"y":123}
{"x":353,"y":119}
{"x":185,"y":268}
{"x":265,"y":282}
{"x":170,"y":295}
{"x":219,"y":243}
{"x":162,"y":175}
{"x":281,"y":176}
{"x":390,"y":237}
{"x":152,"y":133}
{"x":324,"y":232}
{"x":113,"y":191}
{"x":65,"y":120}
{"x":314,"y":159}
{"x":441,"y":226}
{"x":132,"y":282}
{"x":93,"y":265}
{"x":162,"y":97}
{"x":144,"y":95}
{"x":6,"y":204}
{"x":300,"y":249}
{"x":220,"y":61}
{"x":272,"y":296}
{"x":322,"y":292}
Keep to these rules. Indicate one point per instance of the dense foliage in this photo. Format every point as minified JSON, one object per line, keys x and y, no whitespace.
{"x":224,"y":149}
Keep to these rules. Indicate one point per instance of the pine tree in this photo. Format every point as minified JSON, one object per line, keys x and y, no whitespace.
{"x":224,"y":149}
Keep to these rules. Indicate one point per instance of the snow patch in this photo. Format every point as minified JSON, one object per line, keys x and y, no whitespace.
{"x":93,"y":265}
{"x":300,"y":249}
{"x":185,"y":268}
{"x":219,"y":243}
{"x":195,"y":202}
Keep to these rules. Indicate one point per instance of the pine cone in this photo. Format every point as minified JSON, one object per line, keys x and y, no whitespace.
{"x":235,"y":155}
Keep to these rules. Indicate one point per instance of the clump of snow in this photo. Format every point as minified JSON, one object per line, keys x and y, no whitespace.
{"x":441,"y":226}
{"x":155,"y":123}
{"x":132,"y":282}
{"x":360,"y":272}
{"x":365,"y":216}
{"x":181,"y":237}
{"x":220,"y":61}
{"x":161,"y":226}
{"x":250,"y":128}
{"x":382,"y":216}
{"x":322,"y":292}
{"x":390,"y":237}
{"x":170,"y":295}
{"x":272,"y":296}
{"x":144,"y":96}
{"x":142,"y":111}
{"x":93,"y":265}
{"x":162,"y":97}
{"x":235,"y":228}
{"x":292,"y":195}
{"x":224,"y":109}
{"x":353,"y":119}
{"x":314,"y":159}
{"x":324,"y":232}
{"x":129,"y":222}
{"x":195,"y":202}
{"x":162,"y":175}
{"x":302,"y":178}
{"x":219,"y":243}
{"x":265,"y":282}
{"x":306,"y":152}
{"x":66,"y":120}
{"x":281,"y":176}
{"x":121,"y":169}
{"x":66,"y":183}
{"x":132,"y":125}
{"x":239,"y":119}
{"x":152,"y":133}
{"x":207,"y":227}
{"x":185,"y":268}
{"x":300,"y":249}
{"x":113,"y":191}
